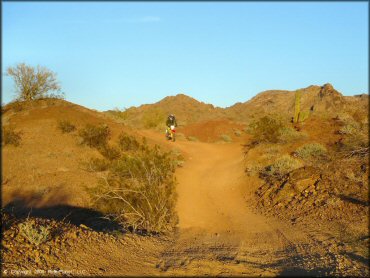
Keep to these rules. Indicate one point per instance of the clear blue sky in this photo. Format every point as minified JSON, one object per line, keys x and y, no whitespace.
{"x":120,"y":54}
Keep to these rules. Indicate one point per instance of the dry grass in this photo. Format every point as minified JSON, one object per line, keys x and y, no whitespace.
{"x":153,"y":118}
{"x":109,"y":152}
{"x":66,"y":127}
{"x":95,"y":136}
{"x":10,"y":136}
{"x":311,"y":151}
{"x":139,"y":191}
{"x":192,"y":138}
{"x":281,"y":166}
{"x":266,"y":129}
{"x":226,"y":138}
{"x":288,"y":135}
{"x":97,"y":165}
{"x":128,"y":143}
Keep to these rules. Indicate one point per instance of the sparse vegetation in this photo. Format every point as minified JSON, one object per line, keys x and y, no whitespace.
{"x":237,"y":132}
{"x":266,"y":129}
{"x":65,"y":126}
{"x":35,"y":234}
{"x":33,"y":83}
{"x":95,"y":136}
{"x":139,"y":191}
{"x":288,"y":135}
{"x":97,"y":165}
{"x":356,"y":135}
{"x":310,"y":151}
{"x":128,"y":143}
{"x":10,"y":136}
{"x":192,"y":138}
{"x":281,"y":166}
{"x":17,"y":106}
{"x":109,"y":152}
{"x":153,"y":118}
{"x":226,"y":138}
{"x":177,"y":157}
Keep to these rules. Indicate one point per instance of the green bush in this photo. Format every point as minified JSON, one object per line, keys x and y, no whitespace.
{"x":65,"y":126}
{"x":226,"y":138}
{"x":128,"y":143}
{"x":109,"y":152}
{"x":153,"y":118}
{"x":177,"y":157}
{"x":10,"y":136}
{"x":266,"y":129}
{"x":288,"y":134}
{"x":281,"y":166}
{"x":237,"y":132}
{"x":17,"y":106}
{"x":98,"y":165}
{"x":95,"y":136}
{"x":35,"y":234}
{"x":140,"y":191}
{"x":356,"y":135}
{"x":313,"y":150}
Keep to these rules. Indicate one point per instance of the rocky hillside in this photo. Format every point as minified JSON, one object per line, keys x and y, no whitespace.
{"x":323,"y":101}
{"x":318,"y":100}
{"x":187,"y":110}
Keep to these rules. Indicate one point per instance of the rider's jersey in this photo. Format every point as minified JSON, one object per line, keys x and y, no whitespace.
{"x":171,"y":121}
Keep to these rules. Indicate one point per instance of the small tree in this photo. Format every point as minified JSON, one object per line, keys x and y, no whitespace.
{"x":33,"y":83}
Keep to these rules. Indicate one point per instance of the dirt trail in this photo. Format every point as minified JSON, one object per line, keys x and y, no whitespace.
{"x":219,"y":234}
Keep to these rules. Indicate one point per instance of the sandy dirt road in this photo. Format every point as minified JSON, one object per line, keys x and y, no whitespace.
{"x":218,"y":234}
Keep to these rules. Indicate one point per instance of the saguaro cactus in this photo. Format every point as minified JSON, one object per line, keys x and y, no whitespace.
{"x":297,"y":106}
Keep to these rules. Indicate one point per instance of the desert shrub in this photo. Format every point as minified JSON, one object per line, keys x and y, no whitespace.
{"x":237,"y":132}
{"x":140,"y":191}
{"x":361,"y":116}
{"x":356,"y":135}
{"x":109,"y":152}
{"x":95,"y":136}
{"x":128,"y":143}
{"x":281,"y":166}
{"x":313,"y":150}
{"x":192,"y":138}
{"x":35,"y":234}
{"x":177,"y":157}
{"x":10,"y":136}
{"x":254,"y":169}
{"x":226,"y":138}
{"x":65,"y":126}
{"x":33,"y":83}
{"x":288,"y":134}
{"x":153,"y":118}
{"x":98,"y":164}
{"x":17,"y":106}
{"x":266,"y":129}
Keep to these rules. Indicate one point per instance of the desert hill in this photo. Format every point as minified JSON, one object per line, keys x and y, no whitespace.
{"x":51,"y":163}
{"x":317,"y":100}
{"x":271,"y":205}
{"x":187,"y":109}
{"x":323,"y":101}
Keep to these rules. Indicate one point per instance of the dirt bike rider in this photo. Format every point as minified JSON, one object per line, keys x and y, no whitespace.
{"x":171,"y":121}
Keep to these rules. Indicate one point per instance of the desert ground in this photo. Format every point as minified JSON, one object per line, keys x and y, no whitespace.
{"x":238,"y":213}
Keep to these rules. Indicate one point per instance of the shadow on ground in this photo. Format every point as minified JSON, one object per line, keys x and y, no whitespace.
{"x":301,"y":272}
{"x":21,"y":209}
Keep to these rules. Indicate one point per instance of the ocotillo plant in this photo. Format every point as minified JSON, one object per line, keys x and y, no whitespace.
{"x":297,"y":106}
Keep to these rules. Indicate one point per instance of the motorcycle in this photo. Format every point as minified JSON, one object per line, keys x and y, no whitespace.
{"x":170,"y":133}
